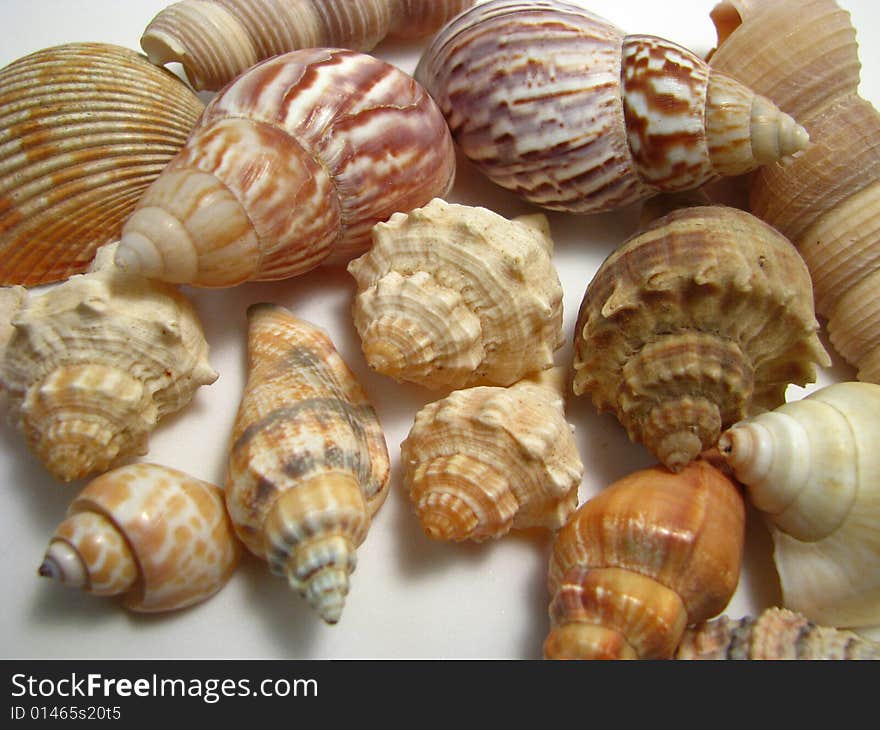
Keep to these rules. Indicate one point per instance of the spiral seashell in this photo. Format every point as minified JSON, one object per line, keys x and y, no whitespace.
{"x":452,"y":296}
{"x":560,"y":107}
{"x":487,"y":459}
{"x":84,"y":129}
{"x":94,"y":363}
{"x":776,"y":634}
{"x":217,"y":40}
{"x":703,"y":318}
{"x":647,"y":556}
{"x":812,"y":467}
{"x":308,"y":464}
{"x":290,"y":167}
{"x":158,"y":538}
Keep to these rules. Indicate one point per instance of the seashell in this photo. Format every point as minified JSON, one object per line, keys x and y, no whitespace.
{"x":647,"y":556}
{"x":95,"y":362}
{"x":290,"y":167}
{"x":487,"y":459}
{"x":308,"y":464}
{"x":452,"y":296}
{"x":153,"y":535}
{"x":560,"y":107}
{"x":828,"y":200}
{"x":811,"y":466}
{"x":217,"y":40}
{"x":776,"y":634}
{"x":84,"y":129}
{"x":703,"y":318}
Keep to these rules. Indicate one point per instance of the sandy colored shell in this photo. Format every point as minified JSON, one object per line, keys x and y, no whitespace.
{"x":649,"y":555}
{"x":95,"y":362}
{"x":701,"y":319}
{"x":485,"y":460}
{"x":564,"y":109}
{"x":216,"y":40}
{"x":308,"y":464}
{"x":158,"y":538}
{"x":84,"y":129}
{"x":812,"y":467}
{"x":452,"y":296}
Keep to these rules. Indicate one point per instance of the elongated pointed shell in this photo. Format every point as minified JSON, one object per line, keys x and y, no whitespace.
{"x":562,"y":108}
{"x":153,"y":535}
{"x":84,"y":129}
{"x":308,"y":464}
{"x":703,"y":318}
{"x":812,"y":467}
{"x":451,"y":296}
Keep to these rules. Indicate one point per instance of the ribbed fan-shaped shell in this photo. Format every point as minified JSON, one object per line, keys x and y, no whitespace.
{"x":308,"y":464}
{"x":84,"y":129}
{"x":701,"y":319}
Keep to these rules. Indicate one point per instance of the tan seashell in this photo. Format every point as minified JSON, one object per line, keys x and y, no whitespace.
{"x":155,"y":536}
{"x":84,"y":129}
{"x":290,"y":167}
{"x":703,"y":318}
{"x":812,"y":467}
{"x":308,"y":464}
{"x":216,"y":40}
{"x":559,"y":106}
{"x":95,"y":362}
{"x":452,"y":296}
{"x":487,"y":459}
{"x":637,"y":563}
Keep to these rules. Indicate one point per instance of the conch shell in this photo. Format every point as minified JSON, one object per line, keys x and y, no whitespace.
{"x":487,"y":459}
{"x":153,"y":535}
{"x":637,"y":563}
{"x":703,"y":318}
{"x":560,"y":107}
{"x":290,"y":167}
{"x":216,"y":40}
{"x":452,"y":296}
{"x":93,"y":363}
{"x":812,"y":467}
{"x":308,"y":464}
{"x":84,"y":129}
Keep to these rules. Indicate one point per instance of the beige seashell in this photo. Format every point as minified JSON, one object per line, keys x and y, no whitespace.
{"x":216,"y":40}
{"x":84,"y":129}
{"x":559,"y":106}
{"x":95,"y":362}
{"x":308,"y":464}
{"x":812,"y":467}
{"x":290,"y":167}
{"x":452,"y":296}
{"x":153,"y":535}
{"x":637,"y":563}
{"x":701,"y":319}
{"x":487,"y":459}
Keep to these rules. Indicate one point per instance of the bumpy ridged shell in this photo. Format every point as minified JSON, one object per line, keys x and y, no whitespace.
{"x":452,"y":296}
{"x":216,"y":40}
{"x":487,"y":459}
{"x":813,"y":468}
{"x":649,"y":555}
{"x":95,"y":362}
{"x":159,"y":538}
{"x":84,"y":129}
{"x":776,"y":634}
{"x":290,"y":167}
{"x":308,"y":464}
{"x":562,"y":108}
{"x":700,"y":320}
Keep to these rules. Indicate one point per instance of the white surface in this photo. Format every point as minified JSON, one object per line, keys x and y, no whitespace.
{"x":410,"y":597}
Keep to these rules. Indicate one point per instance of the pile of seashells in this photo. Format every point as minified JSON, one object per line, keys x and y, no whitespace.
{"x":385,"y":246}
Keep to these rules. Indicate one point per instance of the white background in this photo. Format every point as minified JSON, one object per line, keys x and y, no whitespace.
{"x":410,"y":597}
